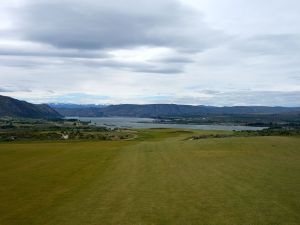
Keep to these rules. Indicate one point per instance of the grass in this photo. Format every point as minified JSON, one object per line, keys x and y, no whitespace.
{"x":160,"y":178}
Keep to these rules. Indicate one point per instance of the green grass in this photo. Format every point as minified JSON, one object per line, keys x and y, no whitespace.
{"x":160,"y":178}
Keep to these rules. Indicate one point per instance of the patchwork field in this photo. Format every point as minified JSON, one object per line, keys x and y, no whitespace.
{"x":160,"y":178}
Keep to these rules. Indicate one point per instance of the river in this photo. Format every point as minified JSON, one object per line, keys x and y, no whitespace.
{"x":130,"y":122}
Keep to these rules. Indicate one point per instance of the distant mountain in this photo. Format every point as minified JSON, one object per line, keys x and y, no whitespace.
{"x":168,"y":110}
{"x":75,"y":106}
{"x":14,"y":108}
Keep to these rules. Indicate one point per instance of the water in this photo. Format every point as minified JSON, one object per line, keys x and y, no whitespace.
{"x":129,"y":122}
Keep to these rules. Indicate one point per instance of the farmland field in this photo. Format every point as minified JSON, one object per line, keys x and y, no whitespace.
{"x":162,"y":177}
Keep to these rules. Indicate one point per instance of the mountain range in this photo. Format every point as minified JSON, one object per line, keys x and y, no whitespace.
{"x":169,"y":110}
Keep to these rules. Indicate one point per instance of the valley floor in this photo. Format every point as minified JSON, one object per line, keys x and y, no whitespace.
{"x":162,"y":177}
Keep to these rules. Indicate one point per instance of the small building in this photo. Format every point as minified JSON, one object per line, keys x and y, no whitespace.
{"x":65,"y":136}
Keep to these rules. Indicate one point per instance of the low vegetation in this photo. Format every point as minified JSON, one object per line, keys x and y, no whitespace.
{"x":12,"y":129}
{"x":272,"y":131}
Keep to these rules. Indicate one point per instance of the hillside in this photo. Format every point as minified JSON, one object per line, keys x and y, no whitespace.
{"x":165,"y":110}
{"x":14,"y":108}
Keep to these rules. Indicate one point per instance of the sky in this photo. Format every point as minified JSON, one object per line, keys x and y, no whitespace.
{"x":198,"y":52}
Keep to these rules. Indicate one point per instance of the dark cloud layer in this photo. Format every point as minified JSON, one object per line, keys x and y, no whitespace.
{"x":65,"y":32}
{"x":116,"y":24}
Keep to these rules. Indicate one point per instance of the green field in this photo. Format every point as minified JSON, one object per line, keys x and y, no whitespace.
{"x":160,"y":178}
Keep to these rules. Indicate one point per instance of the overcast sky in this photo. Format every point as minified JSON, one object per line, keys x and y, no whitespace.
{"x":200,"y":52}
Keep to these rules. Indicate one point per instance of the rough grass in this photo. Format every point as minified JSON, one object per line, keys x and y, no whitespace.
{"x":160,"y":178}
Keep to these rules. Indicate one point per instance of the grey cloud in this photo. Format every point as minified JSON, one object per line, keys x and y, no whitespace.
{"x":209,"y":92}
{"x":200,"y":89}
{"x":159,"y":70}
{"x":36,"y":59}
{"x":243,"y":98}
{"x":75,"y":32}
{"x":273,"y":98}
{"x":175,"y":59}
{"x":14,"y":89}
{"x":297,"y":78}
{"x":272,"y":44}
{"x":116,"y":24}
{"x":53,"y":53}
{"x":144,"y":67}
{"x":27,"y":62}
{"x":5,"y":90}
{"x":19,"y":62}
